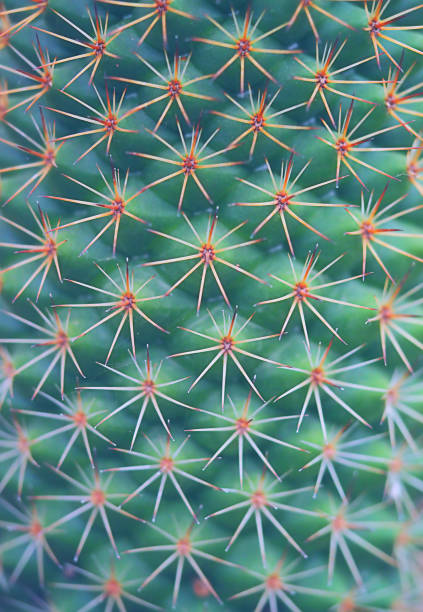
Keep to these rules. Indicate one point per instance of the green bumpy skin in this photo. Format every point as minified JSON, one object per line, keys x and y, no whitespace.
{"x":211,"y":294}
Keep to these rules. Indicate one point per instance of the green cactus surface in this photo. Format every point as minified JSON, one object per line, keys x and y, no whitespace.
{"x":211,"y":305}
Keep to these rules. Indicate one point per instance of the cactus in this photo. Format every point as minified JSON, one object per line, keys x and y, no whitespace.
{"x":210,"y":341}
